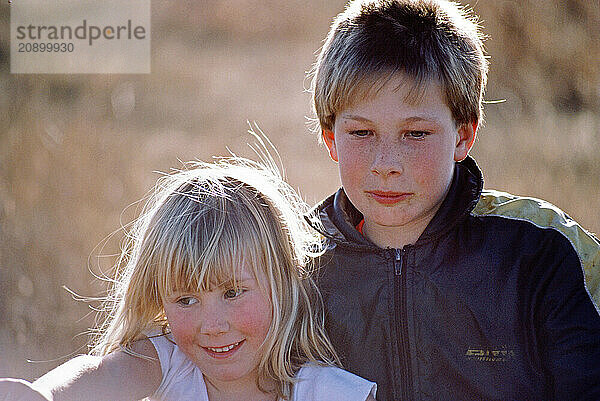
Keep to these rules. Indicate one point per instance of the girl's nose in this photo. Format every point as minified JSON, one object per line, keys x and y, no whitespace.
{"x":214,"y":322}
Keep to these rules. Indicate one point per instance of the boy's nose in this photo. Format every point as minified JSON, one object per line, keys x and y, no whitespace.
{"x":386,"y":162}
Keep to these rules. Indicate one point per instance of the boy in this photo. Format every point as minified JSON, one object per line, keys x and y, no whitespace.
{"x":436,"y":289}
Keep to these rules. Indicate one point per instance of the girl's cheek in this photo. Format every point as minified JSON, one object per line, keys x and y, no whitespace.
{"x":255,"y":317}
{"x":180,"y":325}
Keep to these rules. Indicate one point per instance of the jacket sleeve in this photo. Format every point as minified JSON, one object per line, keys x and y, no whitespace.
{"x":567,"y":325}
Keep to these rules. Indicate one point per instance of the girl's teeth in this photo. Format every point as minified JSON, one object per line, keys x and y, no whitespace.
{"x":224,"y":349}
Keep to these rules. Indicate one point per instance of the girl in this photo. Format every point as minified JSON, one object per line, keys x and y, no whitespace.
{"x":214,"y":302}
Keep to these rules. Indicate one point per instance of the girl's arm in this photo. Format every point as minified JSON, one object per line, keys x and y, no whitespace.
{"x":20,"y":390}
{"x":113,"y":377}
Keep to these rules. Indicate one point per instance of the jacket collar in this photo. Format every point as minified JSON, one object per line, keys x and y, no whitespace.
{"x":336,"y":217}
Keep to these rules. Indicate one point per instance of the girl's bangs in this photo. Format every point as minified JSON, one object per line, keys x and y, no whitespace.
{"x":214,"y":241}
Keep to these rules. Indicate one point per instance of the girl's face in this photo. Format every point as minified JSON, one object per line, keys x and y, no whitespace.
{"x":222,"y":330}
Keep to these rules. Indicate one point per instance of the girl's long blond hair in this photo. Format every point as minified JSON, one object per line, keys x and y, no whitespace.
{"x":201,"y":224}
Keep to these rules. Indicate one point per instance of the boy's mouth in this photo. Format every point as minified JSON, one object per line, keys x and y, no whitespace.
{"x":388,"y":197}
{"x":225,"y":351}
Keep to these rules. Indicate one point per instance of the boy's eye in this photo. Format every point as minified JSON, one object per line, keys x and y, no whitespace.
{"x":187,"y":301}
{"x":360,"y":133}
{"x":233,"y":293}
{"x":417,"y":134}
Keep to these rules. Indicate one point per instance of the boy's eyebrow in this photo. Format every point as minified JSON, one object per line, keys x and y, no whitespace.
{"x":408,"y":120}
{"x":417,"y":119}
{"x":357,"y":118}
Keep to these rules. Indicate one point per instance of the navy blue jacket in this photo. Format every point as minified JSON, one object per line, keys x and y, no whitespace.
{"x":489,"y":303}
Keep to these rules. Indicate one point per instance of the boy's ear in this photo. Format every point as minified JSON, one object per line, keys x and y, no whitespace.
{"x":464,"y":140}
{"x":329,"y":138}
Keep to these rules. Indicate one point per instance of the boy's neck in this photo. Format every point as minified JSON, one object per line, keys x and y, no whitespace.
{"x":391,"y":237}
{"x":397,"y":236}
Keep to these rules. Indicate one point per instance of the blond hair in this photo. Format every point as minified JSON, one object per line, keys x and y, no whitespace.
{"x":424,"y":39}
{"x":196,"y":228}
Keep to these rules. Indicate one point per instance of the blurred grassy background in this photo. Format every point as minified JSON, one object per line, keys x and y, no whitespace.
{"x":75,"y":150}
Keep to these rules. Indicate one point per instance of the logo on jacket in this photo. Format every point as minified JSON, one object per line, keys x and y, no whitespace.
{"x":501,"y":354}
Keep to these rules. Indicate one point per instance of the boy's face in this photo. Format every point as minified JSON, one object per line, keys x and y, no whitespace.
{"x":396,"y":158}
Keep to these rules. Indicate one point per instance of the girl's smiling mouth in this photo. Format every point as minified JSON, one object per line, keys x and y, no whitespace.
{"x":223,"y":352}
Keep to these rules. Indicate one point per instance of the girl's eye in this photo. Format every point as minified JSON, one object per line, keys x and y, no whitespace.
{"x":187,"y":301}
{"x":360,"y":133}
{"x":233,"y":293}
{"x":417,"y":134}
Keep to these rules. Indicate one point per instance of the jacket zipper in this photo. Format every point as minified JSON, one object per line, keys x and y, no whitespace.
{"x":402,"y":315}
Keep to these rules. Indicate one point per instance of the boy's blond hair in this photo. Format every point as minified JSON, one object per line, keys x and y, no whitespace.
{"x":195,"y":232}
{"x":424,"y":39}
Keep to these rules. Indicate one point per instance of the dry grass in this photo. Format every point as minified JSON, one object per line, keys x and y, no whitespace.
{"x":76,"y":150}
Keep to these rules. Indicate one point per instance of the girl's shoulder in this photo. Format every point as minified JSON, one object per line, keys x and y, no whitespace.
{"x":316,"y":382}
{"x":181,"y":378}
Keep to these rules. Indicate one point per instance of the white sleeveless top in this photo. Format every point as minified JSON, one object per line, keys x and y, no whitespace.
{"x":183,"y":381}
